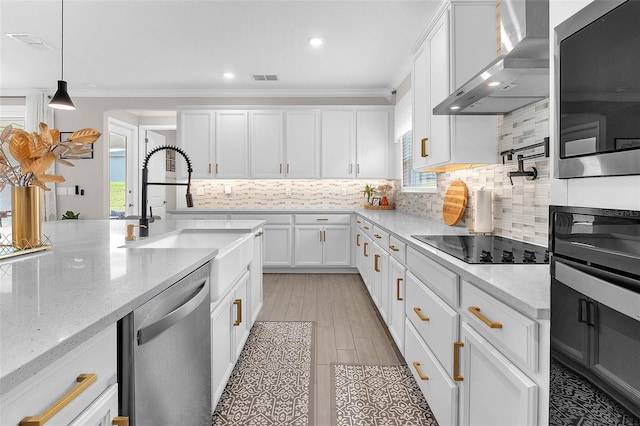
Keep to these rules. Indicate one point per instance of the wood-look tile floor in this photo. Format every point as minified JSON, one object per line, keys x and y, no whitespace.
{"x":348,"y":327}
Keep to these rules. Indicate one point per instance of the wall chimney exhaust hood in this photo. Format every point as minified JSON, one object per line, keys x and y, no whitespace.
{"x":520,"y":75}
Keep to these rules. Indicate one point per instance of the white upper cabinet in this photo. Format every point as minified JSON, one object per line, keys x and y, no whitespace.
{"x":372,"y":144}
{"x":338,"y":144}
{"x":195,"y":136}
{"x":303,"y":144}
{"x":459,"y":43}
{"x":267,"y":144}
{"x":232,"y":145}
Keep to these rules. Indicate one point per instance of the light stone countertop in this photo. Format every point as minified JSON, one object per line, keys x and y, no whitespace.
{"x":52,"y":301}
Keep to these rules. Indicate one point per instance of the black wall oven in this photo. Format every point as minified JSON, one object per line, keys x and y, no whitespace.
{"x":595,"y":316}
{"x":597,"y":57}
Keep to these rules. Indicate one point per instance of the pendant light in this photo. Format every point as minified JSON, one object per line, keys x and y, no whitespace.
{"x":61,"y":99}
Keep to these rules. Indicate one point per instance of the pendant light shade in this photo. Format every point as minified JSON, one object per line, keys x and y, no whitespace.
{"x":61,"y":99}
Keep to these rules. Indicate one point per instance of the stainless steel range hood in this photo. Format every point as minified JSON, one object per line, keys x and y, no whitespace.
{"x":516,"y":78}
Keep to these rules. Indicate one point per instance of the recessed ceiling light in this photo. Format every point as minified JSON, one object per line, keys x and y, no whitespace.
{"x":455,"y":107}
{"x":316,"y":41}
{"x":228,"y":75}
{"x":494,"y":84}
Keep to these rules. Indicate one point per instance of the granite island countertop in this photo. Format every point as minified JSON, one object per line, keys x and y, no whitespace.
{"x":52,"y":301}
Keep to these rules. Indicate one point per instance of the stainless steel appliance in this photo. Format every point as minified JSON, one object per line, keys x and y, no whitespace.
{"x":597,"y":91}
{"x":595,"y":316}
{"x":487,"y":248}
{"x":164,"y":369}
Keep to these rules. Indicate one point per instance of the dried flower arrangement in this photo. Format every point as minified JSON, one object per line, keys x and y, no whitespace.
{"x":36,"y":152}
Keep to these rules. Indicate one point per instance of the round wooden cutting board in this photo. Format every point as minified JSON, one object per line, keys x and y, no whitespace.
{"x":455,"y":201}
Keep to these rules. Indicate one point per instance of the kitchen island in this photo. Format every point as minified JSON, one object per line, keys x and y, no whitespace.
{"x":54,"y":300}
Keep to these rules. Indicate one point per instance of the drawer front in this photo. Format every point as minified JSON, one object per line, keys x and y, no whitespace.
{"x":397,"y":248}
{"x":102,"y":411}
{"x":436,"y":322}
{"x":35,"y":395}
{"x":438,"y":278}
{"x":272,"y":219}
{"x":322,"y":219}
{"x":512,"y":332}
{"x":366,"y":227}
{"x":381,"y":237}
{"x":437,"y":387}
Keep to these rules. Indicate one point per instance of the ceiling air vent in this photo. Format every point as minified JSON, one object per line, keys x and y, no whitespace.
{"x":31,"y":41}
{"x":265,"y":77}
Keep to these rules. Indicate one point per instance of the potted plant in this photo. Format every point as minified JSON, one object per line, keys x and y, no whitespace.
{"x":368,"y":192}
{"x":70,"y":215}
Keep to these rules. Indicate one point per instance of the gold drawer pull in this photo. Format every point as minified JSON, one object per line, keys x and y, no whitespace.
{"x":258,"y":234}
{"x":398,"y":281}
{"x":456,"y":362}
{"x":418,"y":312}
{"x":394,"y":248}
{"x":238,"y":303}
{"x":378,"y":236}
{"x":365,"y":227}
{"x":365,"y":249}
{"x":120,"y":421}
{"x":476,"y":311}
{"x":423,"y":152}
{"x":376,"y":265}
{"x":358,"y":221}
{"x":84,"y":381}
{"x":416,"y":365}
{"x":358,"y":240}
{"x":322,"y":219}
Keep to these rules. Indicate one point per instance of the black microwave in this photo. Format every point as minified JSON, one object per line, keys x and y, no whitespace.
{"x":597,"y":81}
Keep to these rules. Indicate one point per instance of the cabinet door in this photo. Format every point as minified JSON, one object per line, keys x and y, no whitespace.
{"x":255,"y":269}
{"x":278,"y":240}
{"x":303,"y":144}
{"x":367,"y":262}
{"x":338,"y":144}
{"x":222,"y":356}
{"x":381,"y":281}
{"x":438,"y":131}
{"x":267,"y":144}
{"x":102,"y":411}
{"x":372,"y":144}
{"x":232,"y":145}
{"x":493,"y":390}
{"x":240,"y":315}
{"x":396,"y":316}
{"x":336,"y":247}
{"x":195,"y":137}
{"x":568,"y":335}
{"x":308,"y":243}
{"x":421,"y":109}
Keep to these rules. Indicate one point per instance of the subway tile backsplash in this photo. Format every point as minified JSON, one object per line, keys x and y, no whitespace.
{"x":520,"y":210}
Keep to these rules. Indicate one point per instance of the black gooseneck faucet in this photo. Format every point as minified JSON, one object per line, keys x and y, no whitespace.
{"x":144,"y":220}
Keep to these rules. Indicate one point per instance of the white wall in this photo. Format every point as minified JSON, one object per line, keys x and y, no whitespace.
{"x":612,"y":192}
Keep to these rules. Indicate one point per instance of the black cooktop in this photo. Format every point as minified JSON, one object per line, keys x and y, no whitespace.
{"x":487,"y":248}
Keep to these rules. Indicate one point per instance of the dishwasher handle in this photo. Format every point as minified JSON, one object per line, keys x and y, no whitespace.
{"x":178,"y":314}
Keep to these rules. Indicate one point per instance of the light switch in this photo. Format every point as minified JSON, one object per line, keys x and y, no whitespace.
{"x":344,"y":191}
{"x":287,"y":191}
{"x":200,"y":190}
{"x":228,"y":189}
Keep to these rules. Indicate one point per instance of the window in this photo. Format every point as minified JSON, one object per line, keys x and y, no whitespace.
{"x":9,"y":115}
{"x":414,"y":181}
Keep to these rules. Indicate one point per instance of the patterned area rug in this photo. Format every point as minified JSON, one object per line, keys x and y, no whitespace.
{"x":576,"y":402}
{"x":272,"y":382}
{"x":378,"y":395}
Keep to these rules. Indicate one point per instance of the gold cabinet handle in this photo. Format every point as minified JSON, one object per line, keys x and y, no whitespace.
{"x":398,"y":281}
{"x":476,"y":311}
{"x":365,"y":249}
{"x":378,"y":236}
{"x":238,"y":303}
{"x":365,"y":227}
{"x":416,"y":365}
{"x":322,"y":219}
{"x":280,"y":168}
{"x":394,"y":248}
{"x":358,"y":240}
{"x":120,"y":421}
{"x":84,"y":381}
{"x":258,"y":234}
{"x":376,"y":264}
{"x":423,"y":151}
{"x":456,"y":361}
{"x":217,"y":168}
{"x":287,"y":168}
{"x":420,"y":315}
{"x":357,"y":221}
{"x":209,"y":168}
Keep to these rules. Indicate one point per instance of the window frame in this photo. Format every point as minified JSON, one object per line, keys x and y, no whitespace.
{"x":432,"y":188}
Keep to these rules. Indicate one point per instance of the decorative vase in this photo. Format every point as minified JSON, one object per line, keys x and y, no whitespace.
{"x":26,"y":218}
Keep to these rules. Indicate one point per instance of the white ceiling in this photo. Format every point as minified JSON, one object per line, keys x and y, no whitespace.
{"x":182,"y":47}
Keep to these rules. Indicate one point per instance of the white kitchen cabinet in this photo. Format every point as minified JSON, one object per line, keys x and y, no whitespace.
{"x":338,"y":144}
{"x":267,"y":144}
{"x":242,"y":321}
{"x":493,"y":390}
{"x":372,"y":144}
{"x":278,"y":244}
{"x":231,"y":145}
{"x":381,"y":280}
{"x":327,"y":245}
{"x":196,"y":130}
{"x":255,"y":270}
{"x":91,"y":367}
{"x":302,"y":137}
{"x":102,"y":411}
{"x":459,"y":43}
{"x":397,"y":296}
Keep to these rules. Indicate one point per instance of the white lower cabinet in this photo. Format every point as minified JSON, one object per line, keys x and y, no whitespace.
{"x":278,"y":245}
{"x":397,"y":295}
{"x":494,"y":392}
{"x":85,"y":379}
{"x":255,"y":270}
{"x":381,"y":281}
{"x":322,"y":240}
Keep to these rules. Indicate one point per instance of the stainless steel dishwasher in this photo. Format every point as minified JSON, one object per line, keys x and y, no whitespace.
{"x":164,"y":364}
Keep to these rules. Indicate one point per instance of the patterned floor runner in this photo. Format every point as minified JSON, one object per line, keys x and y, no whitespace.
{"x":272,"y":382}
{"x":378,"y":395}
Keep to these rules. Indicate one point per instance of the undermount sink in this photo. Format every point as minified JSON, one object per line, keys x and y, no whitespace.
{"x":235,"y":252}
